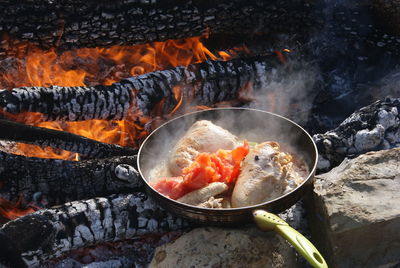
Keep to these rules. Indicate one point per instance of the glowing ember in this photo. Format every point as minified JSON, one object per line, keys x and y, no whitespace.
{"x":11,"y":211}
{"x":91,"y":66}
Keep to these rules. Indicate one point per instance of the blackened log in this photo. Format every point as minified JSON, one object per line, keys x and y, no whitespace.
{"x":204,"y":83}
{"x":374,"y":127}
{"x":59,"y":181}
{"x":13,"y":131}
{"x":208,"y":82}
{"x":10,"y":256}
{"x":49,"y":233}
{"x":75,"y":23}
{"x":387,"y":14}
{"x":69,"y":103}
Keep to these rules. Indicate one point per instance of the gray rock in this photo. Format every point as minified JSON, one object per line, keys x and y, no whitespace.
{"x":355,"y":211}
{"x":224,"y":247}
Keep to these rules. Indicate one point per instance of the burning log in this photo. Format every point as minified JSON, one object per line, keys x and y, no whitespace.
{"x":205,"y":83}
{"x":49,"y":233}
{"x":58,"y":181}
{"x":69,"y":24}
{"x":374,"y":127}
{"x":60,"y":139}
{"x":69,"y":103}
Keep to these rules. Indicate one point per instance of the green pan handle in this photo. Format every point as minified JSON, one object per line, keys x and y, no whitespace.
{"x":267,"y":222}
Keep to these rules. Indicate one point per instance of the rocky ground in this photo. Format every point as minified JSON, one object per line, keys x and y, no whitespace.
{"x":355,"y":211}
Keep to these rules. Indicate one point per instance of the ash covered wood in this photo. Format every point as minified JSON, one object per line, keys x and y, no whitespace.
{"x":50,"y":181}
{"x":206,"y":83}
{"x":70,"y":23}
{"x":374,"y":127}
{"x":13,"y":131}
{"x":49,"y":233}
{"x":69,"y":103}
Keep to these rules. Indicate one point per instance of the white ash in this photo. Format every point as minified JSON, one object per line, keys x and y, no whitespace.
{"x":83,"y":102}
{"x":127,"y":173}
{"x":7,"y":146}
{"x":366,"y":140}
{"x":371,"y":128}
{"x":82,"y":224}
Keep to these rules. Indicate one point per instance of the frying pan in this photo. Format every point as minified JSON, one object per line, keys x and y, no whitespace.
{"x":255,"y":126}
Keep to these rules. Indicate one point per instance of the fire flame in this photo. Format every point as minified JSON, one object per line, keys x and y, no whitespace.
{"x":12,"y":211}
{"x":91,"y":66}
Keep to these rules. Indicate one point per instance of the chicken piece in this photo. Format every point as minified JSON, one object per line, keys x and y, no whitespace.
{"x":266,"y":173}
{"x":203,"y":136}
{"x":226,"y":202}
{"x":202,"y":195}
{"x":212,"y":203}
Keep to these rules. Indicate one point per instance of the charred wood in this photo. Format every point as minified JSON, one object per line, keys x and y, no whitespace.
{"x":374,"y":127}
{"x":387,"y":14}
{"x":13,"y":131}
{"x":69,"y":103}
{"x":49,"y":233}
{"x":206,"y":83}
{"x":71,"y":23}
{"x":58,"y":181}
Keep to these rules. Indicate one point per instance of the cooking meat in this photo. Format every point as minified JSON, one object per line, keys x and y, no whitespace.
{"x":212,"y":203}
{"x":266,"y":173}
{"x":203,"y":136}
{"x":204,"y":194}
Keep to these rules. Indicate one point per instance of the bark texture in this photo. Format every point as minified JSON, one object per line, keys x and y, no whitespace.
{"x":68,"y":24}
{"x":13,"y":131}
{"x":49,"y":233}
{"x":204,"y":83}
{"x":69,"y":103}
{"x":57,"y":181}
{"x":374,"y":127}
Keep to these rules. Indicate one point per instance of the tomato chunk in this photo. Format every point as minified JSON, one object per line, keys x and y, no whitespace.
{"x":222,"y":166}
{"x":171,"y":187}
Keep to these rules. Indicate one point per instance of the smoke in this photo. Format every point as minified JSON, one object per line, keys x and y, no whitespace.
{"x":288,"y":90}
{"x":388,"y":86}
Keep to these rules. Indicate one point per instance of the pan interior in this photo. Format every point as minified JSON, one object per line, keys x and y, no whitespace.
{"x":253,"y":125}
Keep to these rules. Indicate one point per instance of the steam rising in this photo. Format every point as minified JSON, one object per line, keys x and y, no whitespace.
{"x":288,"y":91}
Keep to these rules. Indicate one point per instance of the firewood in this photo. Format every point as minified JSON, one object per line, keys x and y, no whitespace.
{"x":58,"y":181}
{"x":51,"y":232}
{"x":13,"y":131}
{"x":374,"y":127}
{"x":68,"y":24}
{"x":69,"y":103}
{"x":207,"y":83}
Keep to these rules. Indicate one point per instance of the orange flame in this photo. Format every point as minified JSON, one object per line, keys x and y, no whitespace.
{"x":90,"y":66}
{"x":12,"y":211}
{"x":178,"y":95}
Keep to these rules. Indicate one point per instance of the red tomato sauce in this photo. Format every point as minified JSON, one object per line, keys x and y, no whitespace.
{"x":222,"y":166}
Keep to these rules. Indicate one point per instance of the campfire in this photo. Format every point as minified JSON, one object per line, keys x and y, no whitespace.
{"x":82,"y":86}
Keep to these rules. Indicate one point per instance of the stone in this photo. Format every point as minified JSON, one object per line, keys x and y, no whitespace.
{"x":225,"y":247}
{"x":355,"y":211}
